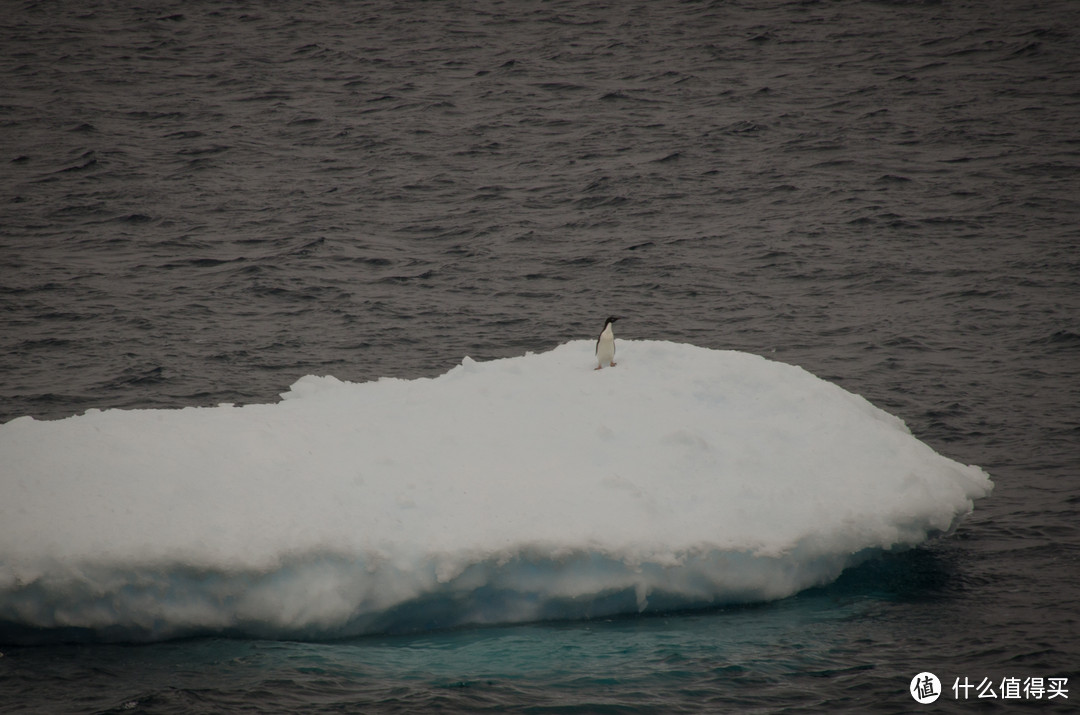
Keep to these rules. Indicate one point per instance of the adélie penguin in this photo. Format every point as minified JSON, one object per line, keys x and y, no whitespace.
{"x":605,"y":345}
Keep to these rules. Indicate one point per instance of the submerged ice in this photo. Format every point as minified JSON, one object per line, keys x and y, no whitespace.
{"x":512,"y":490}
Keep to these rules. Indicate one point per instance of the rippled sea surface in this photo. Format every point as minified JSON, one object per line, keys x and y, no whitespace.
{"x":202,"y":202}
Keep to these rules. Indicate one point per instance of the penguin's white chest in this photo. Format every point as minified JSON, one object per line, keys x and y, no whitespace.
{"x":605,"y":347}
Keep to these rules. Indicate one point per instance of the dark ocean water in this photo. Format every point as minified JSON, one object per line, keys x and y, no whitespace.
{"x":201,"y":203}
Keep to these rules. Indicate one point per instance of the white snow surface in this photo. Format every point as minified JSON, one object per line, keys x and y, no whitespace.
{"x":518,"y":489}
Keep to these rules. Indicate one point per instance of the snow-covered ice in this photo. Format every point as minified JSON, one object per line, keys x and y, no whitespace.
{"x":518,"y":489}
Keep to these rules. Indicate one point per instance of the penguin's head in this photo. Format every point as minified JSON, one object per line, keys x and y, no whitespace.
{"x":610,"y":320}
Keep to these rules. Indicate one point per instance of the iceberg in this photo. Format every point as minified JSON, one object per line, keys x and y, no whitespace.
{"x":520,"y":489}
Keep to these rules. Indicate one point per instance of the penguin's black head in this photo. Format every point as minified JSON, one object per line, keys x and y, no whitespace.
{"x":610,"y":320}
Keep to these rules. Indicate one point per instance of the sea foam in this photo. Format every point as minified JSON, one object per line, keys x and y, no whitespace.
{"x":512,"y":490}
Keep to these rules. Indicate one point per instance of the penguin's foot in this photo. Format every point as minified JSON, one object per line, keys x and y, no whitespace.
{"x":613,"y":364}
{"x":597,"y":367}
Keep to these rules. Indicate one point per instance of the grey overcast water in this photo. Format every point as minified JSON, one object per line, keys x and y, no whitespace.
{"x":202,"y":202}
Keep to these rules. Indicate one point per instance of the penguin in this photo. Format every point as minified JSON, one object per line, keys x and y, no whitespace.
{"x":605,"y":345}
